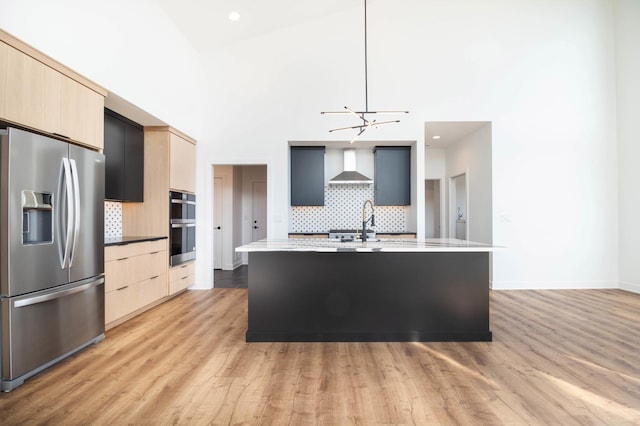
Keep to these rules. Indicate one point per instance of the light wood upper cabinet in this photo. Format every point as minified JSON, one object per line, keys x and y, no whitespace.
{"x":169,"y":163}
{"x":39,"y":93}
{"x":182,"y":176}
{"x":28,"y":87}
{"x":81,"y":114}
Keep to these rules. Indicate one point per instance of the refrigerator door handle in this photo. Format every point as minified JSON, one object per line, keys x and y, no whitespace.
{"x":69,"y":190}
{"x":76,"y":209}
{"x":57,"y":295}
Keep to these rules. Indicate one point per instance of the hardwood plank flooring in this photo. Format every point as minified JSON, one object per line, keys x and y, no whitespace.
{"x":569,"y":357}
{"x":237,"y":278}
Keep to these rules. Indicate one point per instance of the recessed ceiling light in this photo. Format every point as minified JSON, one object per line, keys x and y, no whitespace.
{"x":436,"y":137}
{"x":234,"y":16}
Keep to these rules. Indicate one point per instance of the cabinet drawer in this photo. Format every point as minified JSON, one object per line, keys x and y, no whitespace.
{"x":181,"y":283}
{"x":182,"y":271}
{"x":134,"y":249}
{"x":129,"y":298}
{"x":132,"y":263}
{"x":152,"y":289}
{"x":121,"y":272}
{"x":121,"y":302}
{"x":156,"y":263}
{"x":181,"y":277}
{"x":129,"y":270}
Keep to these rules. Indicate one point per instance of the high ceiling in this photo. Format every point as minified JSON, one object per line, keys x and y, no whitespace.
{"x":450,"y":132}
{"x":206,"y":23}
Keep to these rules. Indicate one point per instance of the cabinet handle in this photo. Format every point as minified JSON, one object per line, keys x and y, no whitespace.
{"x":122,"y":288}
{"x":122,"y":258}
{"x":184,"y":266}
{"x":153,"y":278}
{"x":185,"y":277}
{"x":155,"y":252}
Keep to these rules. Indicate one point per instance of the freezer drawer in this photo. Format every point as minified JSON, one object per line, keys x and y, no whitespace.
{"x":41,"y":328}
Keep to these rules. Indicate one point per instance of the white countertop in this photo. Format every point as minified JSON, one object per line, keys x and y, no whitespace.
{"x":383,"y":245}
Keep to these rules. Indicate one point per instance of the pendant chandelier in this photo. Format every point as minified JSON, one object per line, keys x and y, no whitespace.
{"x":365,"y":116}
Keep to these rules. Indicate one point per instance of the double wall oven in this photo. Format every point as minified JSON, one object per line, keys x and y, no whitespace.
{"x":182,"y":227}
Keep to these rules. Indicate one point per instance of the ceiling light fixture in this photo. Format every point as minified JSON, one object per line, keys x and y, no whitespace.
{"x":436,"y":137}
{"x":367,"y":123}
{"x":234,"y":16}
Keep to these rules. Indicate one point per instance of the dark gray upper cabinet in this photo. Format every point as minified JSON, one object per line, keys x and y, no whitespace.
{"x":392,"y":181}
{"x":307,"y":176}
{"x":124,"y":158}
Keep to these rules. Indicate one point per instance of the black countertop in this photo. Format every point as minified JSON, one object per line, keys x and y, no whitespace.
{"x":119,"y":241}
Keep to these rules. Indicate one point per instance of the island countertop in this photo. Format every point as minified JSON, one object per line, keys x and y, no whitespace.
{"x":381,"y":245}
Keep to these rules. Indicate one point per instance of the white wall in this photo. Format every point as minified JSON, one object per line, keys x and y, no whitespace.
{"x":627,"y":21}
{"x":472,"y":156}
{"x":131,"y":48}
{"x":435,"y":167}
{"x":238,"y":188}
{"x":541,"y":71}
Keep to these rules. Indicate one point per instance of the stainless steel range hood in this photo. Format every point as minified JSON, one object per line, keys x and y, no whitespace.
{"x":349,"y":175}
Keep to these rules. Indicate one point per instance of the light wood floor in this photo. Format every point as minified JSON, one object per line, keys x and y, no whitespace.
{"x":558,"y":357}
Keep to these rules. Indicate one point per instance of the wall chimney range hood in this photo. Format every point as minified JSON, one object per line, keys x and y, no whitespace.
{"x":349,"y":175}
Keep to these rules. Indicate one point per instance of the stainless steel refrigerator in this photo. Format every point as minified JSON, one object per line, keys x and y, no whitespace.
{"x":51,"y":252}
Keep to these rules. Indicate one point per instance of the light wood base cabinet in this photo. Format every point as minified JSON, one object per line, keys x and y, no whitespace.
{"x":135,"y":279}
{"x":181,"y":277}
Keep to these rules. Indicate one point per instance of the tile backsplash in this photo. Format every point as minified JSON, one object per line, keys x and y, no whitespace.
{"x":343,"y":210}
{"x":112,"y":219}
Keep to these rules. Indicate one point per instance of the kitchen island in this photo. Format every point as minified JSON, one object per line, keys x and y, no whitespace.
{"x":386,"y":291}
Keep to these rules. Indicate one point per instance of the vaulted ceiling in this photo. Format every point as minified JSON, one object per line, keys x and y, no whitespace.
{"x":206,"y":23}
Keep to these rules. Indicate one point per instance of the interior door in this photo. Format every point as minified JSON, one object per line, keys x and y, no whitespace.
{"x":432,"y":208}
{"x":259,"y":225}
{"x":458,"y":207}
{"x":217,"y":223}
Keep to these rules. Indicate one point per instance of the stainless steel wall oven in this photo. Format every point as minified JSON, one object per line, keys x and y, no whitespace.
{"x":182,"y":227}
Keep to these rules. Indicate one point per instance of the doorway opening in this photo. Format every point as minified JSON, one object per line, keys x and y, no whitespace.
{"x":459,"y":153}
{"x":433,"y":208}
{"x":239,"y":211}
{"x":458,"y":207}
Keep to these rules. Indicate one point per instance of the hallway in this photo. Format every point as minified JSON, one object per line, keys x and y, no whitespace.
{"x":238,"y":278}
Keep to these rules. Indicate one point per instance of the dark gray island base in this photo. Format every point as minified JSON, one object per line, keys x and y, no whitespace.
{"x":376,"y":296}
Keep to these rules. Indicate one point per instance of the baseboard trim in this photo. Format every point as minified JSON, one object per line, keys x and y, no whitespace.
{"x":553,"y":285}
{"x":628,"y":286}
